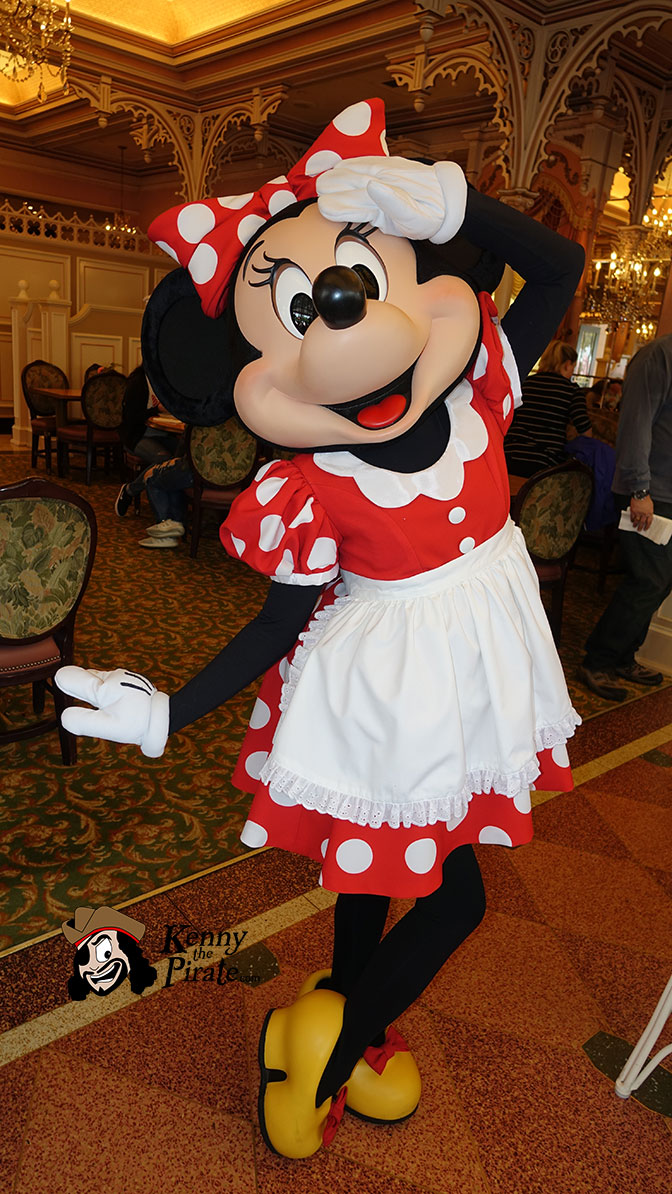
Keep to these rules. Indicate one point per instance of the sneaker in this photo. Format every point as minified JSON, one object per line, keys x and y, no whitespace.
{"x":636,"y":673}
{"x":167,"y":527}
{"x":601,"y":684}
{"x":160,"y":541}
{"x":123,"y":501}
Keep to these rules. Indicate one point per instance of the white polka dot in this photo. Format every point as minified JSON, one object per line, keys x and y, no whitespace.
{"x":279,"y":200}
{"x":161,"y":244}
{"x":235,"y":201}
{"x":286,"y":565}
{"x":324,"y":159}
{"x":255,"y":762}
{"x":457,"y":514}
{"x":304,"y":515}
{"x":254,"y":835}
{"x":323,"y":553}
{"x":194,"y":222}
{"x":467,"y":544}
{"x":278,"y":180}
{"x":239,"y":545}
{"x":353,"y":121}
{"x":560,"y":756}
{"x":492,"y":835}
{"x":506,"y":405}
{"x":279,"y":797}
{"x":271,"y":530}
{"x":420,"y":856}
{"x":248,"y":226}
{"x":267,"y":490}
{"x":354,"y":856}
{"x":481,"y":362}
{"x":261,"y":715}
{"x":283,"y":668}
{"x":264,"y":469}
{"x":383,"y":144}
{"x":324,"y":846}
{"x":522,"y":801}
{"x":203,"y":264}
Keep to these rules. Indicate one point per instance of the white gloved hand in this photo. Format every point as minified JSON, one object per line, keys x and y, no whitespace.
{"x":128,"y":708}
{"x":401,"y":197}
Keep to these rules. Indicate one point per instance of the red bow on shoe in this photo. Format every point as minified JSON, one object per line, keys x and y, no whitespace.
{"x":208,"y":236}
{"x":377,"y":1056}
{"x":334,"y":1117}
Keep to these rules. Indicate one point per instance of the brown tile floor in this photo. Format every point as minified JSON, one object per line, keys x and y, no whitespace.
{"x":160,"y":1094}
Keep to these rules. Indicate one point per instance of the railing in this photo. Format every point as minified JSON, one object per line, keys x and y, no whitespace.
{"x":32,"y":222}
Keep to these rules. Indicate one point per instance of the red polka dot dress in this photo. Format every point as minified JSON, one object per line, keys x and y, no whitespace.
{"x":425,"y":697}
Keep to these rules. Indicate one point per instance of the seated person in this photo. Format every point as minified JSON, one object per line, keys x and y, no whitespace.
{"x":152,"y":444}
{"x":551,"y":403}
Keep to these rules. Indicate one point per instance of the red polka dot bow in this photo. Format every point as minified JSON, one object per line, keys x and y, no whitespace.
{"x":208,"y":236}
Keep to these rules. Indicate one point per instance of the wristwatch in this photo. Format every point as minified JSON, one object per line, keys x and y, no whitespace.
{"x":639,"y":494}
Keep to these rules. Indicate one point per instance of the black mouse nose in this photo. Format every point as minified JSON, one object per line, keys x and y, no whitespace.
{"x":339,"y":296}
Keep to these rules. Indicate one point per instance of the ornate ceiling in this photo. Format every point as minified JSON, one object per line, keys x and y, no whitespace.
{"x":198,"y":92}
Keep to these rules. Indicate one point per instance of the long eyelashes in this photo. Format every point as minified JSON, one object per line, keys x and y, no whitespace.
{"x":268,"y":272}
{"x":361,"y":231}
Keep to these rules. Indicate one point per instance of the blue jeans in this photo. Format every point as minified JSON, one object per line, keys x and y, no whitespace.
{"x":165,"y":484}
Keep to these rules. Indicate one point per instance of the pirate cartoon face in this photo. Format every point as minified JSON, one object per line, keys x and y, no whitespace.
{"x":107,"y":952}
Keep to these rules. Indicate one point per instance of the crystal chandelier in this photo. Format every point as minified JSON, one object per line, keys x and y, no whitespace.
{"x":627,"y":286}
{"x":35,"y":36}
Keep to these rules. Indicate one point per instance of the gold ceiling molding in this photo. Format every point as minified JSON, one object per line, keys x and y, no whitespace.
{"x":194,"y":136}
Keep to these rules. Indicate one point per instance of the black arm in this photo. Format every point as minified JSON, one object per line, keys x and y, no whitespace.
{"x":550,"y":264}
{"x":259,"y":645}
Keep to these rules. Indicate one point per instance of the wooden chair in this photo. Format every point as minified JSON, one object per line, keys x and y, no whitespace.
{"x":35,"y":376}
{"x":223,"y":460}
{"x":47,"y":546}
{"x":102,"y":397}
{"x":550,"y":509}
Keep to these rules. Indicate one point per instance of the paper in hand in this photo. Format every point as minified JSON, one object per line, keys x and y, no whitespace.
{"x":660,"y":530}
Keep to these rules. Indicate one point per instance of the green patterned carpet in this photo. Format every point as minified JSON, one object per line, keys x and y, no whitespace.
{"x":118,"y":825}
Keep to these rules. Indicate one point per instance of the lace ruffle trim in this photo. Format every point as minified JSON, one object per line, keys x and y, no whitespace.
{"x":361,"y":810}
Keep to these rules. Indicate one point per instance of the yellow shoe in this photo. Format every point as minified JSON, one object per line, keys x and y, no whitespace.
{"x":310,"y":983}
{"x":385,"y":1085}
{"x":296,"y":1043}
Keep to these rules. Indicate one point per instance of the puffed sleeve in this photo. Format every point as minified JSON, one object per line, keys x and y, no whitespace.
{"x":278,"y":527}
{"x":495,"y":373}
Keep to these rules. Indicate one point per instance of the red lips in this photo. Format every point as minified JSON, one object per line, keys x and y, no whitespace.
{"x":383,"y":413}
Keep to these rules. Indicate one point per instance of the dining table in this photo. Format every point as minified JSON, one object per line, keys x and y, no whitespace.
{"x":60,"y":399}
{"x":166,"y":422}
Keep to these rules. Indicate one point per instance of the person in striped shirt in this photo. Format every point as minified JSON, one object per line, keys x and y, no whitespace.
{"x":538,"y":433}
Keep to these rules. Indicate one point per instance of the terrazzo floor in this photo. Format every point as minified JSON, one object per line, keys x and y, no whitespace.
{"x":158,"y":1092}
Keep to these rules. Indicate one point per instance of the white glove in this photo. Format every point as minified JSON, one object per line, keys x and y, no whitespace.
{"x":128,"y":708}
{"x":401,"y":197}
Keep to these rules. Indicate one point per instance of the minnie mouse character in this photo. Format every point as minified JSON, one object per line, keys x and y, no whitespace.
{"x":412,"y":692}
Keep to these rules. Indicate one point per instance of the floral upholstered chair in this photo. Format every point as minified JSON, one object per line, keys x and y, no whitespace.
{"x":102,"y":399}
{"x":36,"y":376}
{"x":47,"y":546}
{"x":223,"y":460}
{"x":550,"y":509}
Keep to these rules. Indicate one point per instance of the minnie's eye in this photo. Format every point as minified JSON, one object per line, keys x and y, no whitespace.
{"x":292,"y":299}
{"x":364,"y":260}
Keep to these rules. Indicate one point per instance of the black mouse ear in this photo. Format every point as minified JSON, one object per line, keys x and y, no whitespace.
{"x":186,"y":355}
